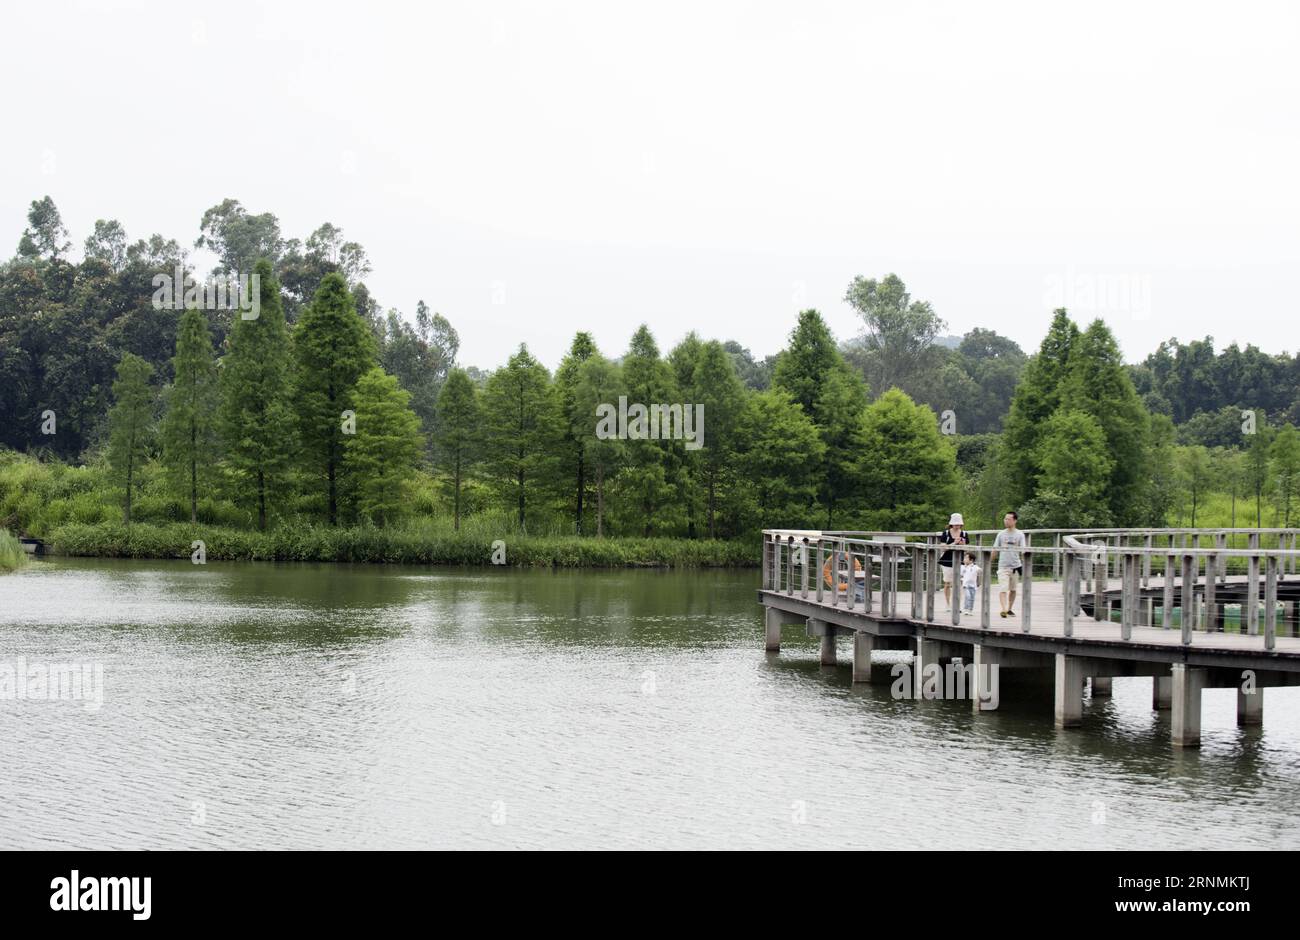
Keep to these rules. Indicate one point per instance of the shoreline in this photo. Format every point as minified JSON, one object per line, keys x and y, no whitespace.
{"x":182,"y":541}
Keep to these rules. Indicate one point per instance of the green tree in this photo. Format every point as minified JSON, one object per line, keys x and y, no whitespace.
{"x":45,"y":236}
{"x":577,"y":426}
{"x":1230,"y":471}
{"x":1161,"y":489}
{"x":907,"y":472}
{"x":255,"y":418}
{"x":523,"y":422}
{"x":1098,"y":383}
{"x":1195,"y":473}
{"x":107,"y":244}
{"x":719,"y":390}
{"x":239,"y":239}
{"x":130,"y":422}
{"x":458,"y":433}
{"x":382,"y":454}
{"x":1285,"y":454}
{"x":812,"y":370}
{"x":778,"y":454}
{"x":1035,"y":400}
{"x":332,"y":349}
{"x":189,"y":423}
{"x":420,"y":357}
{"x":1257,"y":464}
{"x":1075,"y":470}
{"x":898,"y":343}
{"x":650,"y":479}
{"x":598,"y":382}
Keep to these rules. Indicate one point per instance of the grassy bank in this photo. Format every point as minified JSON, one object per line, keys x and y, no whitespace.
{"x":415,"y":545}
{"x":12,"y":556}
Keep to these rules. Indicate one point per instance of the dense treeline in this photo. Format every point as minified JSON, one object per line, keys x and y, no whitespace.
{"x":318,"y":410}
{"x":325,"y":411}
{"x":1204,"y":392}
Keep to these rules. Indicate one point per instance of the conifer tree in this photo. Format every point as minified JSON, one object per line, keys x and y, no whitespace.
{"x":458,"y":435}
{"x":333,"y":347}
{"x":382,"y":454}
{"x":577,"y":426}
{"x":598,"y":383}
{"x":523,"y":422}
{"x":189,"y":423}
{"x":832,"y":394}
{"x":907,"y":472}
{"x":255,"y":418}
{"x":652,"y":468}
{"x":130,"y":424}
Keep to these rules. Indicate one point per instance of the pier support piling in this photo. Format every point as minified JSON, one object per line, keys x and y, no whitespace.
{"x":772,"y":617}
{"x":1162,"y":693}
{"x":1101,"y":685}
{"x":828,"y":649}
{"x":1250,"y":707}
{"x":985,"y":694}
{"x":1188,"y":683}
{"x":927,"y":652}
{"x":863,"y":645}
{"x":1069,"y":690}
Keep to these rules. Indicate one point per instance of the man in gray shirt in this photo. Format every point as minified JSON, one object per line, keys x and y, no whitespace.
{"x":1011,"y":541}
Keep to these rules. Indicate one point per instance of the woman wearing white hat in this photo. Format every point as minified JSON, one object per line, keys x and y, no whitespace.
{"x":955,"y":534}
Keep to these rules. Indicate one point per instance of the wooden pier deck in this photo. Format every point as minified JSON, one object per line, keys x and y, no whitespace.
{"x":1065,"y":625}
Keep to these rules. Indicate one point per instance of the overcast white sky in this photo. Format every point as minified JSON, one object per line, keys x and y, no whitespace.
{"x":708,"y":165}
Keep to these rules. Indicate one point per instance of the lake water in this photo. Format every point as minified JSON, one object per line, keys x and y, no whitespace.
{"x":316,"y":706}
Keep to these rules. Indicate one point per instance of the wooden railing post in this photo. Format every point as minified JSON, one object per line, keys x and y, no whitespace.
{"x":803,"y":569}
{"x":986,"y":588}
{"x":917,"y":575}
{"x":789,"y":565}
{"x":1027,"y":589}
{"x":932,"y":582}
{"x":1101,"y":570}
{"x":835,"y":573}
{"x":1270,"y":603}
{"x":1069,"y":588}
{"x":1211,"y":582}
{"x":1167,"y":606}
{"x":1250,"y":606}
{"x":868,"y":593}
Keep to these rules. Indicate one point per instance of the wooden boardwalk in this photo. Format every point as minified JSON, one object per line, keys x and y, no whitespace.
{"x":1061,"y":633}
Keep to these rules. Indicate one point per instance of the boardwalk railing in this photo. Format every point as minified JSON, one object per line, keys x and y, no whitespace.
{"x":1164,"y":578}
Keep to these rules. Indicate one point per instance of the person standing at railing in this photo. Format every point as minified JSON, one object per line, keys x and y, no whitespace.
{"x":1011,"y":541}
{"x":970,"y":582}
{"x":955,"y":534}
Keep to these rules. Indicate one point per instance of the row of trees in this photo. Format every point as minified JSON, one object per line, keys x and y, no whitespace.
{"x":1080,"y":448}
{"x":308,"y":411}
{"x":1205,"y":391}
{"x":792,"y":454}
{"x":820,"y":434}
{"x":1268,"y":470}
{"x":65,"y":325}
{"x":310,"y":407}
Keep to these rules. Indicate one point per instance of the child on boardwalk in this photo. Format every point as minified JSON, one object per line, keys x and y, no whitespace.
{"x":970,"y":582}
